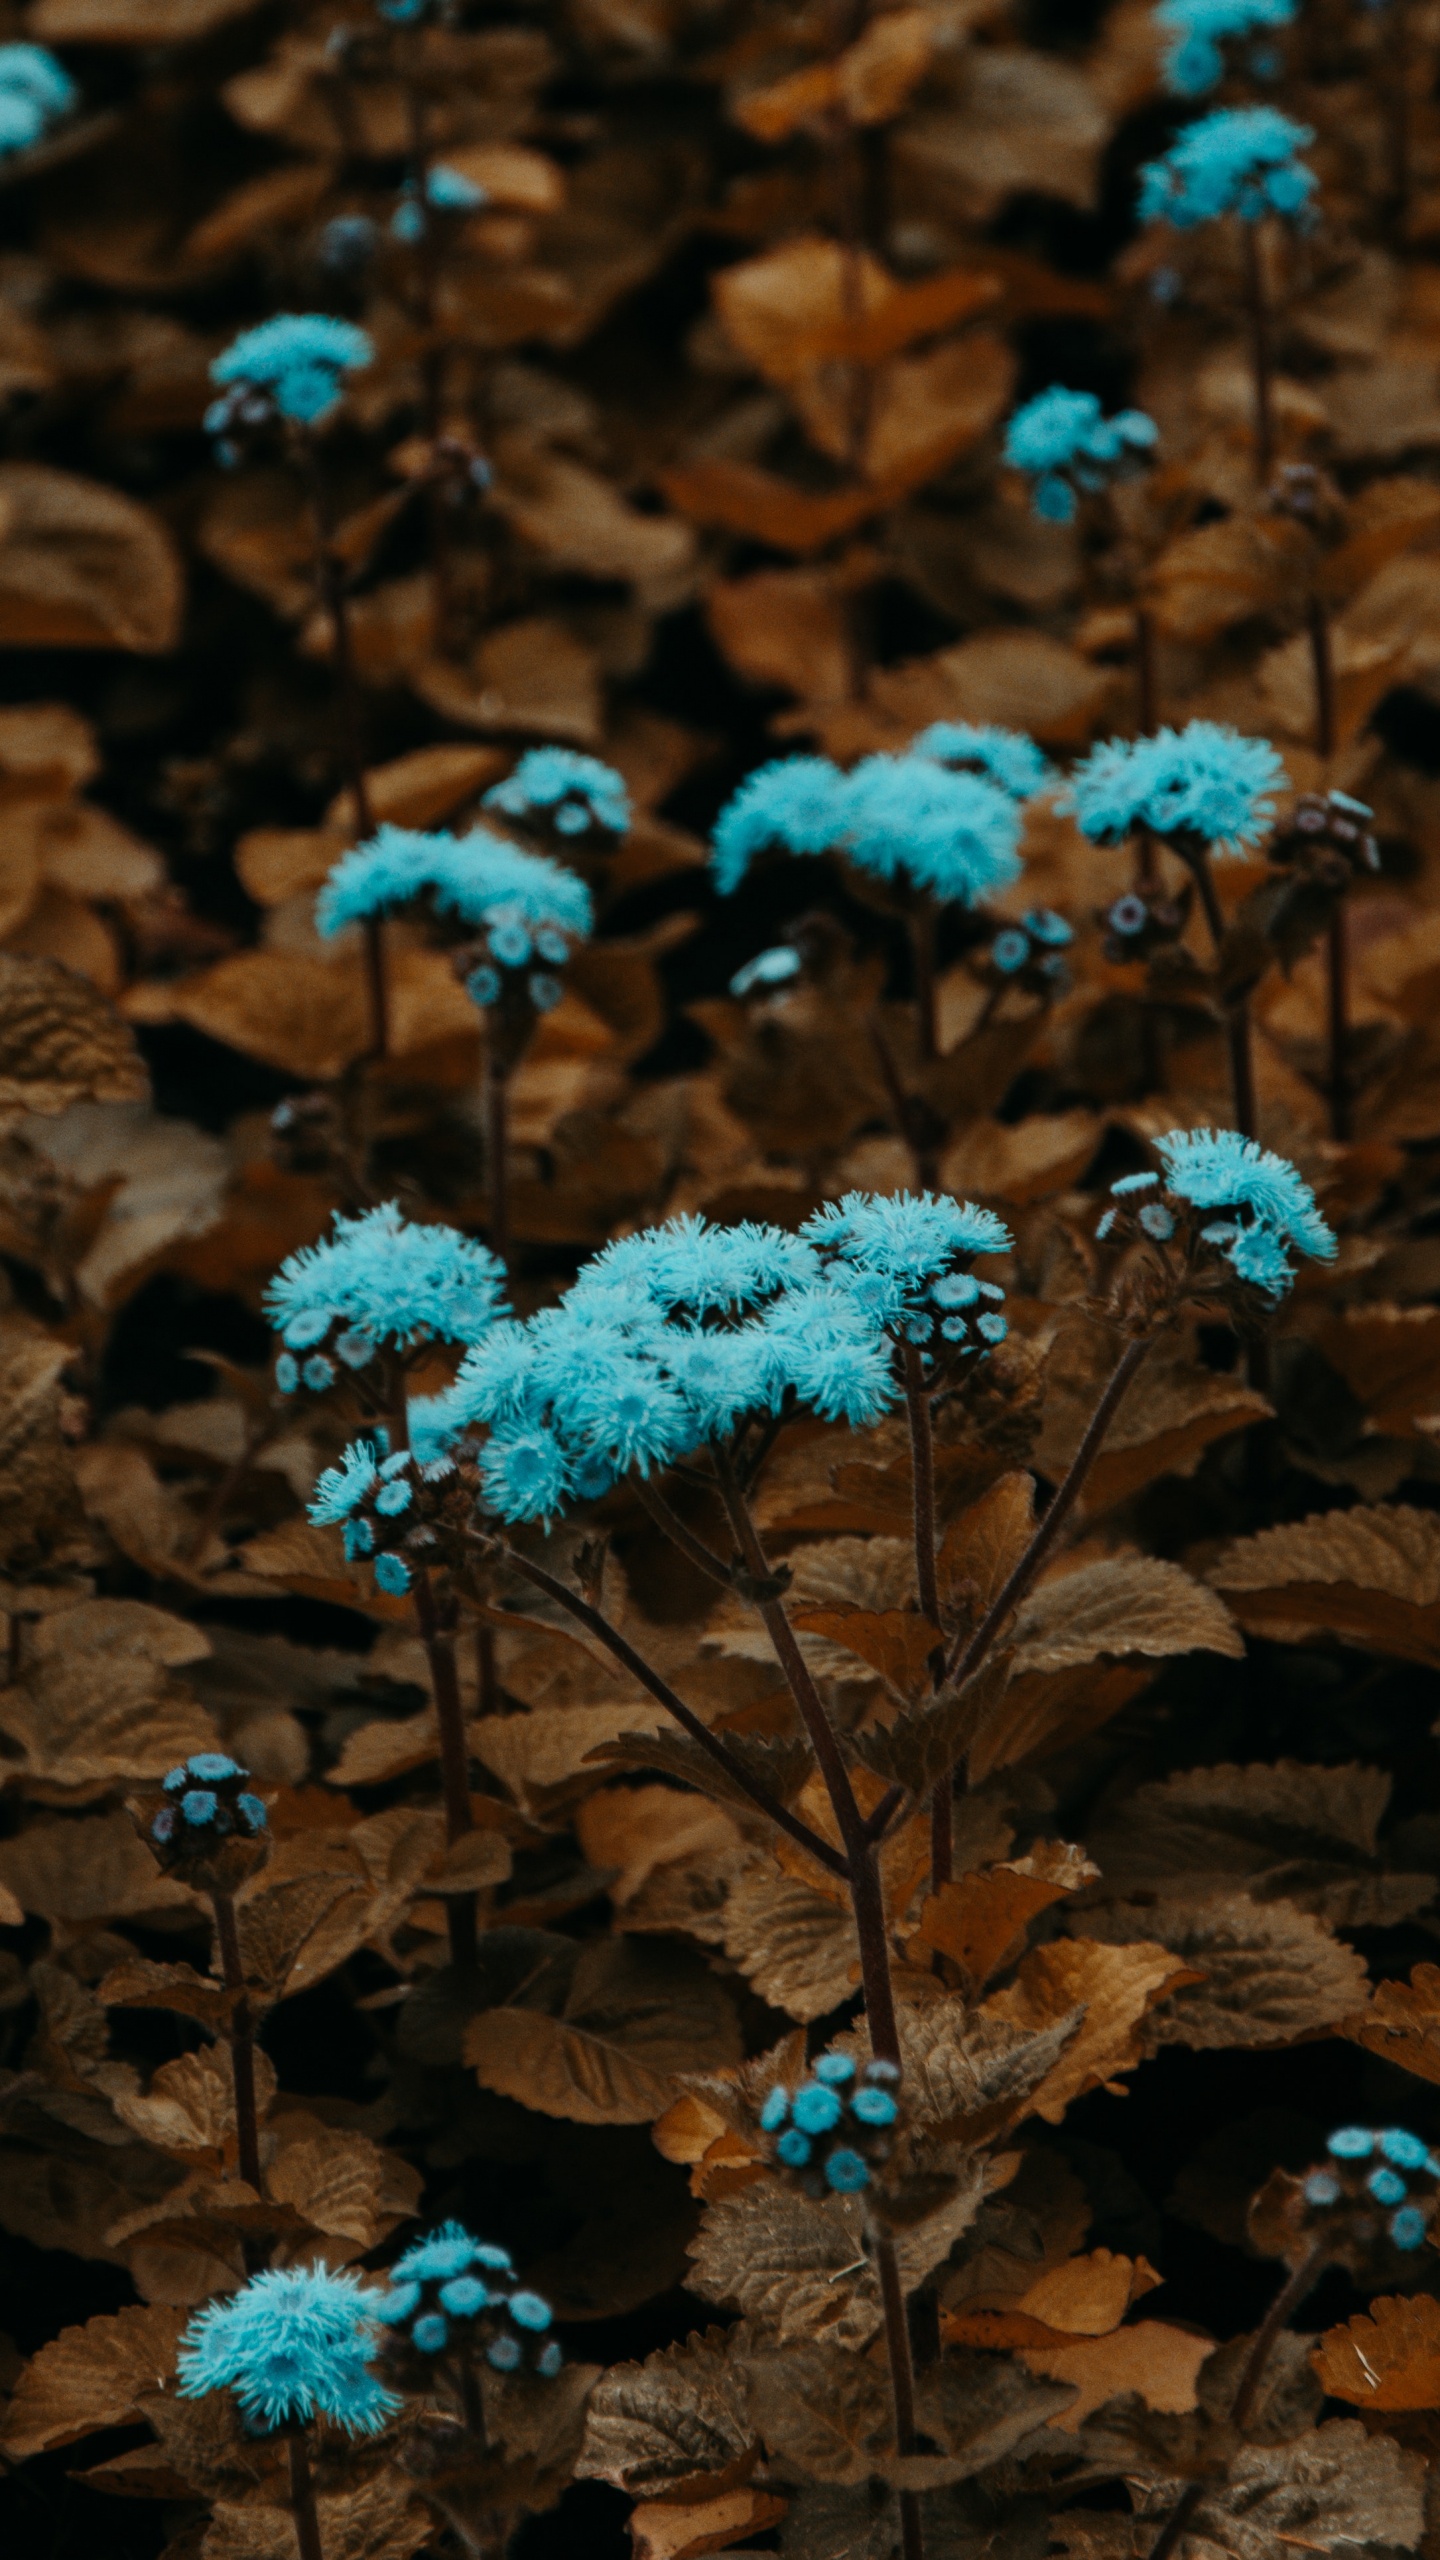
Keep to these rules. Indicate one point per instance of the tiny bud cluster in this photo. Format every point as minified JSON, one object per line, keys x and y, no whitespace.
{"x":1266,"y":1211}
{"x":1031,"y":954}
{"x":1328,"y":836}
{"x":452,"y":2292}
{"x":1068,"y":449}
{"x":835,"y":2129}
{"x":210,"y":1826}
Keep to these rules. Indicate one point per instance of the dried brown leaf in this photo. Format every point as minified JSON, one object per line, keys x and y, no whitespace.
{"x":1370,"y":1576}
{"x":1270,"y":1973}
{"x":1124,"y":1605}
{"x":1115,"y":1987}
{"x":90,"y":2378}
{"x":1386,"y":2358}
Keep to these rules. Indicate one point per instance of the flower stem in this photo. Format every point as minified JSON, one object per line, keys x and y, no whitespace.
{"x":330,"y":577}
{"x":652,"y":1500}
{"x":1237,"y":1008}
{"x":1260,"y":358}
{"x":922,"y":944}
{"x":302,"y":2502}
{"x":438,"y":1638}
{"x":861,"y":1863}
{"x":497,"y":1155}
{"x":927,"y":1586}
{"x":902,"y":2382}
{"x":242,"y":2056}
{"x":908,"y":1109}
{"x":624,"y":1652}
{"x":1322,"y":661}
{"x":967,"y":1658}
{"x":1286,"y":2303}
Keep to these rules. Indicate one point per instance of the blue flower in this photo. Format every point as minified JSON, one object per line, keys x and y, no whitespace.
{"x":213,"y":1767}
{"x":846,"y":2172}
{"x":430,"y":2333}
{"x":35,"y":91}
{"x":874,"y":2106}
{"x":1005,"y":757}
{"x":948,"y":833}
{"x":776,"y":2110}
{"x":293,"y":2344}
{"x":450,"y":191}
{"x":524,"y":1472}
{"x":835,"y":2069}
{"x":1322,"y":2187}
{"x":1403,"y":2150}
{"x":773,"y":968}
{"x":911,"y":1237}
{"x":1351,"y":2142}
{"x":1269,"y":1206}
{"x":581,"y":790}
{"x":1043,"y":925}
{"x":793,"y":2149}
{"x":630,"y":1412}
{"x":298,"y":358}
{"x":446,"y":2252}
{"x":477,"y":877}
{"x":1408,"y":2227}
{"x":340,"y":1490}
{"x":1010,"y":950}
{"x":1240,"y":160}
{"x":687,"y":1263}
{"x":392,"y":1574}
{"x":530,"y":2310}
{"x":1198,"y":28}
{"x":824,"y":1347}
{"x":399,"y":1282}
{"x":796,"y":805}
{"x":1063,"y":443}
{"x":815,"y":2108}
{"x":1386,"y":2186}
{"x":1202,"y":781}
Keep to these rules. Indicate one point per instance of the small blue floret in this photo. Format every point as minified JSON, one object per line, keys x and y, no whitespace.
{"x":776,"y":2111}
{"x":1408,"y":2227}
{"x":1386,"y":2186}
{"x":430,"y":2333}
{"x":793,"y":2149}
{"x":1351,"y":2142}
{"x":1403,"y":2150}
{"x":874,"y":2106}
{"x":815,"y":2108}
{"x":846,"y":2173}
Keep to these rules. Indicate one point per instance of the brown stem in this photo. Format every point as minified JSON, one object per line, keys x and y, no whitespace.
{"x":497,"y":1155}
{"x":652,"y":1500}
{"x":439,"y":1642}
{"x":922,"y":944}
{"x":1337,"y":973}
{"x":649,"y":1678}
{"x":1260,"y":359}
{"x":242,"y":2062}
{"x":1147,"y":672}
{"x":471,"y":2404}
{"x":302,"y":2502}
{"x":861,"y":1863}
{"x":967,"y":1659}
{"x":1322,"y":663}
{"x":905,"y":1107}
{"x":1237,"y":1008}
{"x":331,"y":578}
{"x":1286,"y":2303}
{"x":927,"y":1585}
{"x":902,"y":2382}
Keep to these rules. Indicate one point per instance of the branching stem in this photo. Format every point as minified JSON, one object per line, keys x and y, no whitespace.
{"x":1337,"y":955}
{"x":1237,"y":1008}
{"x":437,"y":1634}
{"x":651,"y":1499}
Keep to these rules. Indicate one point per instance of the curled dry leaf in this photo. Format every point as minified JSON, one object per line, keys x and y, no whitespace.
{"x":91,"y":2377}
{"x":1387,"y":2357}
{"x":1112,"y":1988}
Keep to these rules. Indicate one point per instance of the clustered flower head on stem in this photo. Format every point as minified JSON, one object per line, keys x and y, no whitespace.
{"x":1068,"y":449}
{"x":294,"y":2344}
{"x":1327,"y":836}
{"x":1197,"y":30}
{"x":529,"y":911}
{"x":378,"y":1280}
{"x":578,"y":795}
{"x":1030,"y":954}
{"x":1203,"y":785}
{"x":1370,"y":2204}
{"x":910,"y":821}
{"x":445,"y":191}
{"x":1005,"y":757}
{"x":1254,"y":1211}
{"x":452,"y":2293}
{"x":832,"y":2133}
{"x":210,"y":1827}
{"x":1240,"y":160}
{"x":35,"y":92}
{"x":291,"y":368}
{"x":795,"y":805}
{"x":391,"y":1504}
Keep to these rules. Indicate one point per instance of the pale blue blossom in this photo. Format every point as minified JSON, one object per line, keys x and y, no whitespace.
{"x":1197,"y":29}
{"x":908,"y":818}
{"x":293,"y":2344}
{"x":579,"y":792}
{"x":1005,"y":757}
{"x":1202,"y":781}
{"x":1064,"y":443}
{"x":479,"y":877}
{"x":35,"y":92}
{"x":1240,"y":160}
{"x":389,"y":1279}
{"x":796,"y":805}
{"x":299,"y":359}
{"x":828,"y":1350}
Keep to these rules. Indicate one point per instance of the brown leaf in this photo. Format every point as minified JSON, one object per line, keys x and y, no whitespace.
{"x":637,"y":1829}
{"x":138,"y":22}
{"x":1158,"y":2362}
{"x":634,"y":2018}
{"x":1386,"y":2358}
{"x":1389,"y":1358}
{"x":140,"y":1983}
{"x":677,"y":2423}
{"x":1329,"y":2490}
{"x":82,"y":567}
{"x":979,"y":1921}
{"x":897,"y":1643}
{"x":190,"y":2105}
{"x":1125,"y":1605}
{"x":1117,"y":1987}
{"x":379,"y":2519}
{"x":534,"y":676}
{"x":1171,"y":1413}
{"x":1021,"y":121}
{"x":1225,"y":573}
{"x":1402,"y":2022}
{"x":663,"y":2530}
{"x":90,"y":2378}
{"x":335,"y":2180}
{"x":93,"y":1869}
{"x":1267,"y":1972}
{"x":787,"y":627}
{"x":1370,"y":1576}
{"x":1305,"y":1834}
{"x":61,"y":1043}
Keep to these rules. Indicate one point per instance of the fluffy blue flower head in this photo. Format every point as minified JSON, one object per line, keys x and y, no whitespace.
{"x":1265,"y":1209}
{"x":1240,"y":160}
{"x":950,"y":834}
{"x":478,"y":877}
{"x":451,"y":2277}
{"x":579,"y":793}
{"x":386,"y":1280}
{"x":1201,"y":781}
{"x":1198,"y":28}
{"x":1063,"y":443}
{"x":1005,"y":757}
{"x":904,"y":1261}
{"x":299,"y":359}
{"x":293,"y":2344}
{"x":35,"y":91}
{"x":797,"y":805}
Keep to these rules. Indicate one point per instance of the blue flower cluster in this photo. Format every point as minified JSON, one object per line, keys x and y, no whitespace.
{"x":446,"y":190}
{"x":1267,"y":1210}
{"x":1198,"y":28}
{"x":371,"y":1496}
{"x":207,"y":1799}
{"x":528,"y":908}
{"x":1240,"y":160}
{"x":896,"y":817}
{"x":675,"y":1336}
{"x":379,"y":1279}
{"x":773,"y":968}
{"x":836,"y":2127}
{"x":292,"y":2344}
{"x":452,"y":2289}
{"x":1203,"y":781}
{"x":1015,"y":946}
{"x":1005,"y":757}
{"x":1378,"y":2155}
{"x":294,"y":365}
{"x":578,"y":793}
{"x":1066,"y":447}
{"x":35,"y":92}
